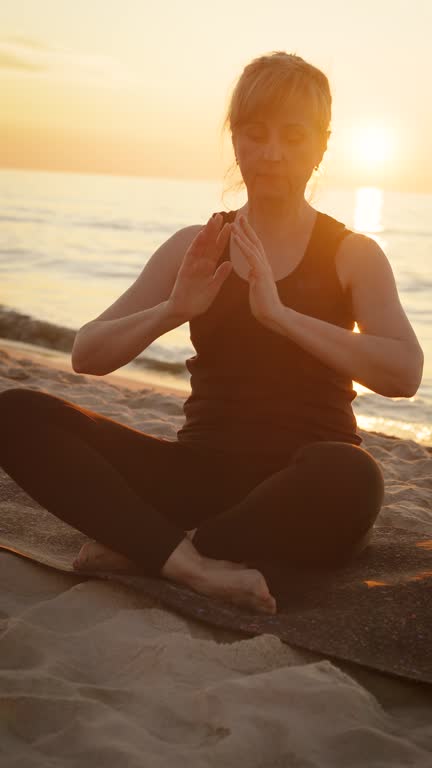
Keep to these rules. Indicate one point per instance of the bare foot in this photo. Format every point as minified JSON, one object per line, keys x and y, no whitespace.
{"x":95,"y":556}
{"x":218,"y":578}
{"x":246,"y":587}
{"x":230,"y":581}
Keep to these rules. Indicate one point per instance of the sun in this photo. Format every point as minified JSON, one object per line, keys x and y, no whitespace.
{"x":373,"y":144}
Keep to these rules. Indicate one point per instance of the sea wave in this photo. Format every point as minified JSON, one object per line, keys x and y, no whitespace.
{"x":21,"y":327}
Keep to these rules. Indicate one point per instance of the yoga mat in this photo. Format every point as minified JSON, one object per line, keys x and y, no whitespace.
{"x":375,"y":611}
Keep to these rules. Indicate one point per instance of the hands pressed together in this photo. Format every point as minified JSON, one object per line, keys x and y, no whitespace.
{"x":198,"y":283}
{"x":263,"y":294}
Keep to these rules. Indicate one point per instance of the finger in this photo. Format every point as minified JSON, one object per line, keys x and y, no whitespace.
{"x":216,"y":244}
{"x":223,"y":235}
{"x":249,"y":231}
{"x":222,"y":272}
{"x":209,"y":242}
{"x":212,"y":225}
{"x":241,"y":232}
{"x":209,"y":228}
{"x":196,"y":247}
{"x":215,"y":222}
{"x":250,"y":255}
{"x":249,"y":250}
{"x":201,"y":239}
{"x":254,"y":245}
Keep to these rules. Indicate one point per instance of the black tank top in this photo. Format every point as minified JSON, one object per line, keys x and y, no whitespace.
{"x":253,"y":390}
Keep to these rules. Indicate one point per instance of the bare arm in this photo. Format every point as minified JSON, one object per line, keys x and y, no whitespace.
{"x":385,"y":356}
{"x":138,"y":317}
{"x":106,"y":345}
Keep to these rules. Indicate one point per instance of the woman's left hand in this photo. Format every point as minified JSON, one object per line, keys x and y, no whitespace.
{"x":264,"y":299}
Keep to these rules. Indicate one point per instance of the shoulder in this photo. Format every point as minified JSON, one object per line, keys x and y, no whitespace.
{"x":192,"y":229}
{"x":356,"y":257}
{"x":185,"y":235}
{"x":189,"y":231}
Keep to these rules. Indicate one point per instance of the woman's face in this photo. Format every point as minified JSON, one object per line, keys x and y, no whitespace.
{"x":277,"y":152}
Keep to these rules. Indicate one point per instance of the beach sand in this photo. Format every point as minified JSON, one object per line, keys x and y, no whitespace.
{"x":93,"y":673}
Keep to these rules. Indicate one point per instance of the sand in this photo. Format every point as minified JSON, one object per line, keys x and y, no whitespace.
{"x":93,"y":673}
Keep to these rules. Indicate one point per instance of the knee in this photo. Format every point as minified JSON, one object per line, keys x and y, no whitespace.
{"x":341,"y":462}
{"x":17,"y":396}
{"x":348,"y":474}
{"x":12,"y":398}
{"x":17,"y":401}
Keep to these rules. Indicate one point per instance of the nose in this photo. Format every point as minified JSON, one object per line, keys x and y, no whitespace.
{"x":272,"y":150}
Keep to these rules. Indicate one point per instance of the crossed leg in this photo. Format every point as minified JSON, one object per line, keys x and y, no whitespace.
{"x":319,"y":509}
{"x":135,"y":494}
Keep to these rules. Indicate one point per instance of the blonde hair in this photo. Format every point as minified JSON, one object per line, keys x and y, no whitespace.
{"x":270,"y":81}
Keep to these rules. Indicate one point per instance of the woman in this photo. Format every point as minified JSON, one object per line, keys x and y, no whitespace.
{"x":268,"y":465}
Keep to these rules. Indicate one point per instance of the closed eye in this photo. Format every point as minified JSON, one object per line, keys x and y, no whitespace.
{"x":287,"y":139}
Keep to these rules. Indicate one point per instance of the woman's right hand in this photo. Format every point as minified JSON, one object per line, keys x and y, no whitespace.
{"x":197,"y":283}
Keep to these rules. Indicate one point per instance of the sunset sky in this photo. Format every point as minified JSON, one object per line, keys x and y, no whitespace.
{"x":140,"y":88}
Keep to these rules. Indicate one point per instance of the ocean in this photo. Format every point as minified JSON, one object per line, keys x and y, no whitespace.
{"x":71,"y":243}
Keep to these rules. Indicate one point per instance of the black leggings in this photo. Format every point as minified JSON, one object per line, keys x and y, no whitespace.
{"x":137,"y":494}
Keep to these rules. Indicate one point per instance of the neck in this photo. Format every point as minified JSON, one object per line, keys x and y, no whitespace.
{"x":275,"y":220}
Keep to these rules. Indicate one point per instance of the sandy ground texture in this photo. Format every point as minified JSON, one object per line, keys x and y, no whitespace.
{"x":93,"y":673}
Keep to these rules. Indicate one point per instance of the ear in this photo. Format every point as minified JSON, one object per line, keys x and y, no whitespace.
{"x":325,"y":140}
{"x":235,"y":151}
{"x":322,"y":147}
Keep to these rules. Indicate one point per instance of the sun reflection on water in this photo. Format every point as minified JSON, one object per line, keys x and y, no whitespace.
{"x":368,"y":209}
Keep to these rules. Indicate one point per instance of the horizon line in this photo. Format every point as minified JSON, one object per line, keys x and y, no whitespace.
{"x":340,"y":184}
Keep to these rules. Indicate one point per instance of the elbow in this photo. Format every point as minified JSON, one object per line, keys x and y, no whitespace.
{"x":399,"y":387}
{"x":76,"y":367}
{"x":405,"y":388}
{"x":412,"y":389}
{"x":75,"y":362}
{"x":77,"y":353}
{"x":411,"y":386}
{"x":74,"y":354}
{"x":407,"y":392}
{"x":80,"y":368}
{"x":401,"y":380}
{"x":416,"y":376}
